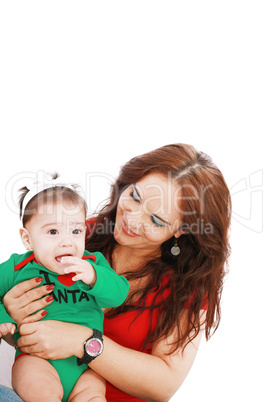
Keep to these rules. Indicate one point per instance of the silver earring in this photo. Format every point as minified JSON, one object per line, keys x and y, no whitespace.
{"x":175,"y":250}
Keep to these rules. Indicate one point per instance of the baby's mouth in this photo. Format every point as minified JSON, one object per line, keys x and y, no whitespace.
{"x":59,"y":257}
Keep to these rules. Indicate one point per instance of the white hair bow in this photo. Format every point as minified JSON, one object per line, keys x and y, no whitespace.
{"x":42,"y":182}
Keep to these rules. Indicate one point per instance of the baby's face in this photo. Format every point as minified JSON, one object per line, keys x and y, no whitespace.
{"x":57,"y":230}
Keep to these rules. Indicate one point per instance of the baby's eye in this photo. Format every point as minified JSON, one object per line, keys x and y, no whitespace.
{"x":77,"y":231}
{"x":53,"y":231}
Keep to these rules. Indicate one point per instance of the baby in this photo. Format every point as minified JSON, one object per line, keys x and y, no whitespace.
{"x":53,"y":216}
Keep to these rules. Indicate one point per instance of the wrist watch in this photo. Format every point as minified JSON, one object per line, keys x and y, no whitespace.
{"x":93,"y":347}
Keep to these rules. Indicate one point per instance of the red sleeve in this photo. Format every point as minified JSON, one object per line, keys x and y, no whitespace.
{"x":89,"y":225}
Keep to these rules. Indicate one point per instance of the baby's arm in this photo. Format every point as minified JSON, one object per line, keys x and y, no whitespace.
{"x":7,"y":324}
{"x":6,"y":328}
{"x":82,"y":268}
{"x":108,"y":288}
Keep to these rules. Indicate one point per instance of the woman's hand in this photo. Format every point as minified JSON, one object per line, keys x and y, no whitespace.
{"x":53,"y":339}
{"x":25,"y":299}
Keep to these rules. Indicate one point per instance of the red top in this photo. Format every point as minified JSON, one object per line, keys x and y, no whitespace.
{"x":131,"y":334}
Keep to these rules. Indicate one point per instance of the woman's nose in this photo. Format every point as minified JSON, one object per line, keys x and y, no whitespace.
{"x":135,"y":220}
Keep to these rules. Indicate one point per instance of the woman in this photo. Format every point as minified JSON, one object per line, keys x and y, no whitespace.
{"x":165,"y":228}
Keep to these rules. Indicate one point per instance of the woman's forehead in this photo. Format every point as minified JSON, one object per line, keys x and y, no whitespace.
{"x":159,"y":192}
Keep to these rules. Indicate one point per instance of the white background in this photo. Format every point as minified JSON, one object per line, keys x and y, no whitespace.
{"x":86,"y":85}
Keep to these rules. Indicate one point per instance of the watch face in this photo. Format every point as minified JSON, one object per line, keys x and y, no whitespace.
{"x":94,"y":347}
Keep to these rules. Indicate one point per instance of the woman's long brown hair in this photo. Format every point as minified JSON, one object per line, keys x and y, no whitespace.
{"x":197,"y":273}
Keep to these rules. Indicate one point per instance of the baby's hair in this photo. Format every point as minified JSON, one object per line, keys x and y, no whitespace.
{"x":51,"y":195}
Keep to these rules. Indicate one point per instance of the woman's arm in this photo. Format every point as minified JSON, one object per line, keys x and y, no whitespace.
{"x":154,"y":377}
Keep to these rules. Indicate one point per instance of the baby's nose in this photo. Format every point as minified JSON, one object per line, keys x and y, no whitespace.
{"x":66,"y":241}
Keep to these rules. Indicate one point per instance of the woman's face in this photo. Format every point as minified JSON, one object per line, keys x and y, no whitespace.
{"x":147,"y":213}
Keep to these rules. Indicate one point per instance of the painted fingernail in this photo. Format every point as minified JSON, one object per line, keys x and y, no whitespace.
{"x":38,"y":280}
{"x":48,"y":299}
{"x":43,"y":313}
{"x":49,"y":287}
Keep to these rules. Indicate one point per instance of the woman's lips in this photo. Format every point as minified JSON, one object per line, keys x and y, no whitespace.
{"x":126,"y":230}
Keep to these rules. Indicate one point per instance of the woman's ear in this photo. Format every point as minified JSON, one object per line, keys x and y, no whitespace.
{"x":179,"y":232}
{"x":25,"y":237}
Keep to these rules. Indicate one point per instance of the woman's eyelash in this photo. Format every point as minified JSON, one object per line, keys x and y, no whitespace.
{"x":156,"y":222}
{"x":135,"y":196}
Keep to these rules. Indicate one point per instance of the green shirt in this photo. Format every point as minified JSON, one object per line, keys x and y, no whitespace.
{"x":73,"y":302}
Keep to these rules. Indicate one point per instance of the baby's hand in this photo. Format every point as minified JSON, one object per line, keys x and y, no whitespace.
{"x":82,"y":268}
{"x":6,"y":328}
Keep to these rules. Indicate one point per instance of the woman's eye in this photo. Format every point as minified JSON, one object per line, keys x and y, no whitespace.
{"x":157,"y":222}
{"x":53,"y":231}
{"x":134,"y":195}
